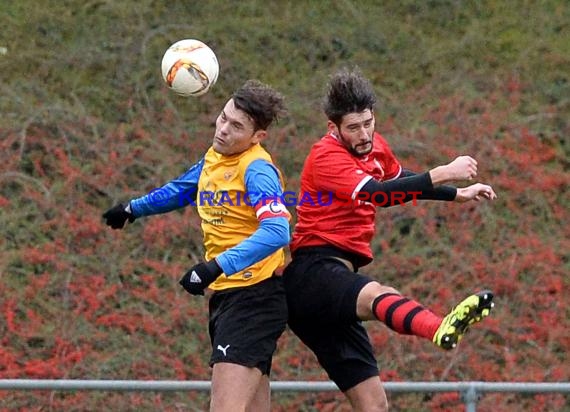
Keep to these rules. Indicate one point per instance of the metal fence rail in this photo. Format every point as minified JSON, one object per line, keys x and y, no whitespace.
{"x":470,"y":391}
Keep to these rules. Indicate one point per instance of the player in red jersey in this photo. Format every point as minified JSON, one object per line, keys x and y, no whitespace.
{"x":326,"y":296}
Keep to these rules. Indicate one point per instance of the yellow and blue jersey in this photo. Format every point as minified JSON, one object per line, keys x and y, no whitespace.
{"x":239,"y":200}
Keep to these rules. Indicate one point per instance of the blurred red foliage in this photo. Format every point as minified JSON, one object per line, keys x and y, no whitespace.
{"x":81,"y":301}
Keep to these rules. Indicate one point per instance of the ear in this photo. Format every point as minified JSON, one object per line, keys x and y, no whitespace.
{"x":259,"y":136}
{"x":332,"y":128}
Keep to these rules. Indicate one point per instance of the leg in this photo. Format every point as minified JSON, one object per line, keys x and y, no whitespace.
{"x":322,"y":295}
{"x":368,"y":396}
{"x":244,"y":327}
{"x":366,"y":297}
{"x":226,"y":395}
{"x":408,"y":317}
{"x":262,"y":399}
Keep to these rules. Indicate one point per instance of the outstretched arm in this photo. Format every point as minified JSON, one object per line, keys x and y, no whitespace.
{"x":477,"y":192}
{"x":412,"y":186}
{"x":441,"y":192}
{"x":175,"y":194}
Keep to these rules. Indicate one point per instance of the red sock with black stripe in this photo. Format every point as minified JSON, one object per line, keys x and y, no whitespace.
{"x":405,"y":316}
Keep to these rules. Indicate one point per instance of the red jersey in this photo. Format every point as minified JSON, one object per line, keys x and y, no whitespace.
{"x":327,"y":213}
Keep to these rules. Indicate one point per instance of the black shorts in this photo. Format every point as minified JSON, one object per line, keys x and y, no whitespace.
{"x":245,"y":324}
{"x":321,"y":296}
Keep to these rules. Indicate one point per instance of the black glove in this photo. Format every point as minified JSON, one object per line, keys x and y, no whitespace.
{"x":117,"y":216}
{"x":200,"y":276}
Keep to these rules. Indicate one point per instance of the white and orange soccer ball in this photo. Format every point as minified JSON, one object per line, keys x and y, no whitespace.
{"x":190,"y":67}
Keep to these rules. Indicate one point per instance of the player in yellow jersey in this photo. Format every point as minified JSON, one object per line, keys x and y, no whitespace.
{"x":237,"y":192}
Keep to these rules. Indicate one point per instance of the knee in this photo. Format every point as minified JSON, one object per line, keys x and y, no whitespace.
{"x":375,"y":289}
{"x":369,"y":396}
{"x":380,"y":404}
{"x":366,"y":297}
{"x":383,"y":406}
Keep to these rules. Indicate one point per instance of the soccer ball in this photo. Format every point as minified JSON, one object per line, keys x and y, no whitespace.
{"x":190,"y":67}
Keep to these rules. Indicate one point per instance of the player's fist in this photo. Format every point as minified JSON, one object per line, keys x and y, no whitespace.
{"x":462,"y":168}
{"x":117,"y":216}
{"x":199,"y":277}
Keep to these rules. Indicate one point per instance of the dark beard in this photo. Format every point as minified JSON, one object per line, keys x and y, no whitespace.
{"x":353,"y":150}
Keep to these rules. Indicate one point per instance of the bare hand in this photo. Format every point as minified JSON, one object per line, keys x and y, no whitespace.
{"x":462,"y":168}
{"x":476,"y":192}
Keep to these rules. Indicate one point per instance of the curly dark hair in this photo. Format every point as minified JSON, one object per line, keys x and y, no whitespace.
{"x":261,"y":102}
{"x":348,"y":92}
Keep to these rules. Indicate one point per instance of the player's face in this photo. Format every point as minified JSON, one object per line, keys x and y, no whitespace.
{"x":356,"y":131}
{"x":235,"y":131}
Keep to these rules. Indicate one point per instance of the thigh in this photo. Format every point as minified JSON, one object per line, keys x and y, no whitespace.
{"x":344,"y":351}
{"x":322,"y":289}
{"x":226,"y":395}
{"x":245,"y":324}
{"x":321,"y":297}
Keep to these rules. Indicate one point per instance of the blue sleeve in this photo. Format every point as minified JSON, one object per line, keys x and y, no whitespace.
{"x":177,"y":193}
{"x":262,"y":182}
